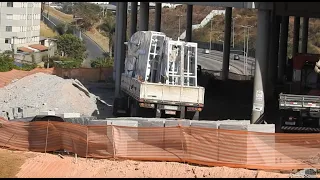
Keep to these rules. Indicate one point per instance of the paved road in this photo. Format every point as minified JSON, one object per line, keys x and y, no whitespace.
{"x":93,"y":49}
{"x":213,"y":61}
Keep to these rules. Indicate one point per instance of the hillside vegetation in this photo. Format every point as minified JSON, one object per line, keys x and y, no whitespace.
{"x":170,"y":26}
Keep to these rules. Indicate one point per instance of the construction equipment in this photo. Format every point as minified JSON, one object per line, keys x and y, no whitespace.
{"x":300,"y":107}
{"x":160,"y":78}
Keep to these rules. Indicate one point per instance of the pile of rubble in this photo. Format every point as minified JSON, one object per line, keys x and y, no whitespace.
{"x":41,"y":92}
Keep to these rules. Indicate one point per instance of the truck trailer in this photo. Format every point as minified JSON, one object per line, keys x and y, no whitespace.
{"x":159,"y":78}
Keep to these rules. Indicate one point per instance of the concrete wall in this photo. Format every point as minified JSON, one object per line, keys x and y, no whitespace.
{"x":85,"y":74}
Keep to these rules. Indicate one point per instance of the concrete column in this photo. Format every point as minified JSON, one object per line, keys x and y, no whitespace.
{"x":144,"y":16}
{"x":189,"y":23}
{"x":261,"y":64}
{"x":296,"y":32}
{"x":134,"y":13}
{"x":273,"y":53}
{"x":158,"y":17}
{"x":282,"y":60}
{"x":304,"y":40}
{"x":121,"y":27}
{"x":226,"y":44}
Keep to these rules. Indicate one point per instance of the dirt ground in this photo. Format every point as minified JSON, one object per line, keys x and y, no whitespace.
{"x":30,"y":164}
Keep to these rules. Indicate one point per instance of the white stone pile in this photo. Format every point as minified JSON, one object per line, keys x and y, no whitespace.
{"x":40,"y":92}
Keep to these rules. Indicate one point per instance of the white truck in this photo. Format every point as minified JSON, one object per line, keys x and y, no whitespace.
{"x":159,"y":78}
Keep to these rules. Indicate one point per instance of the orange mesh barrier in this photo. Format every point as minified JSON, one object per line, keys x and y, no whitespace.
{"x":204,"y":146}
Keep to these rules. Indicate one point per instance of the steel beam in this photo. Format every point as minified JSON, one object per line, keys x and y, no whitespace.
{"x":133,"y":18}
{"x":304,"y":40}
{"x":226,"y":44}
{"x":158,"y":17}
{"x":144,"y":16}
{"x":189,"y":23}
{"x":296,"y":32}
{"x":121,"y":27}
{"x":282,"y":60}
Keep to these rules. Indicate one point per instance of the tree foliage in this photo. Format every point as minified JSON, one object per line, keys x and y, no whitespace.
{"x":102,"y":62}
{"x":64,"y":29}
{"x":90,"y":14}
{"x":71,"y":46}
{"x":6,"y":62}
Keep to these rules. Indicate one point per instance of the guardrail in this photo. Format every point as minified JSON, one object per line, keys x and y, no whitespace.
{"x":232,"y":76}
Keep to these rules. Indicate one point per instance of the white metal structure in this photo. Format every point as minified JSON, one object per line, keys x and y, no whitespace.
{"x":160,"y":74}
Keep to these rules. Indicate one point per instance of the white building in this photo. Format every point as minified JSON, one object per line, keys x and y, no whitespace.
{"x":19,"y":24}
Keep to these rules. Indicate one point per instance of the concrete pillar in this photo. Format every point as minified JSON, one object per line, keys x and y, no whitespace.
{"x":273,"y":53}
{"x":189,"y":23}
{"x":121,"y":27}
{"x":158,"y":17}
{"x":282,"y":60}
{"x":226,"y":44}
{"x":144,"y":16}
{"x":261,"y":64}
{"x":296,"y":32}
{"x":134,"y":13}
{"x":304,"y":40}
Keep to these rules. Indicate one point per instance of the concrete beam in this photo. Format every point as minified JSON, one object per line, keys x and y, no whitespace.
{"x":158,"y":17}
{"x":304,"y":40}
{"x":226,"y":44}
{"x":282,"y":60}
{"x":144,"y":16}
{"x":261,"y":65}
{"x":134,"y":14}
{"x":189,"y":23}
{"x":121,"y":26}
{"x":296,"y":32}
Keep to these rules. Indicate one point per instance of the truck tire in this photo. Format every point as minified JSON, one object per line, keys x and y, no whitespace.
{"x":115,"y":107}
{"x":135,"y":109}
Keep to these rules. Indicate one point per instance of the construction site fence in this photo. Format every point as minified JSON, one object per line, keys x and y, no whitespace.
{"x":203,"y":146}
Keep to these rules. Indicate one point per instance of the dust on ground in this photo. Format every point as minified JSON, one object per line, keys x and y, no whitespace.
{"x":51,"y":165}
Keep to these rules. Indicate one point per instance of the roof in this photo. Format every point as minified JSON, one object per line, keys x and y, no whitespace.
{"x":24,"y":49}
{"x":39,"y":47}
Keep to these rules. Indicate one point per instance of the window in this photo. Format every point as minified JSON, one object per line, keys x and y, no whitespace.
{"x":9,"y":28}
{"x":9,"y":16}
{"x":9,"y":4}
{"x":7,"y":40}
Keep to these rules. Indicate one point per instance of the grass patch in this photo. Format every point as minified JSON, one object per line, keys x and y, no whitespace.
{"x":99,"y":39}
{"x":46,"y":31}
{"x":10,"y":162}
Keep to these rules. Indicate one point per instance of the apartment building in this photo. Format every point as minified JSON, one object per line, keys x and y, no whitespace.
{"x":19,"y":24}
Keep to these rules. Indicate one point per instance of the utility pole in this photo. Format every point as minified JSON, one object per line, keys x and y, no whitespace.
{"x":210,"y":36}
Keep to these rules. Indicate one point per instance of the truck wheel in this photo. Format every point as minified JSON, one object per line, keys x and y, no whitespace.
{"x":134,"y":109}
{"x":115,"y":107}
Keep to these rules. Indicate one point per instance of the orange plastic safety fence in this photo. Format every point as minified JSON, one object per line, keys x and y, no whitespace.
{"x":205,"y":146}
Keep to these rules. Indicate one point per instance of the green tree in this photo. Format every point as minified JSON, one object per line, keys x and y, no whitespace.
{"x":64,"y":29}
{"x":6,"y":62}
{"x":71,"y":46}
{"x":102,"y":62}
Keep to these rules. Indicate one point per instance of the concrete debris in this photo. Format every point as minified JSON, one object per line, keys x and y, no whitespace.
{"x":41,"y":92}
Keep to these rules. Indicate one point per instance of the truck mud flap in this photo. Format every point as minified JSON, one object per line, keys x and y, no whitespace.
{"x":300,"y":129}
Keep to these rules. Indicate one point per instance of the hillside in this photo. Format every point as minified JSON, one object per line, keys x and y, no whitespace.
{"x":170,"y":26}
{"x":170,"y":18}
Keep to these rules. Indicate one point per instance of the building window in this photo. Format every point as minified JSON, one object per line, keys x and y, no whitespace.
{"x":9,"y":4}
{"x":7,"y":40}
{"x":9,"y":16}
{"x":9,"y":28}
